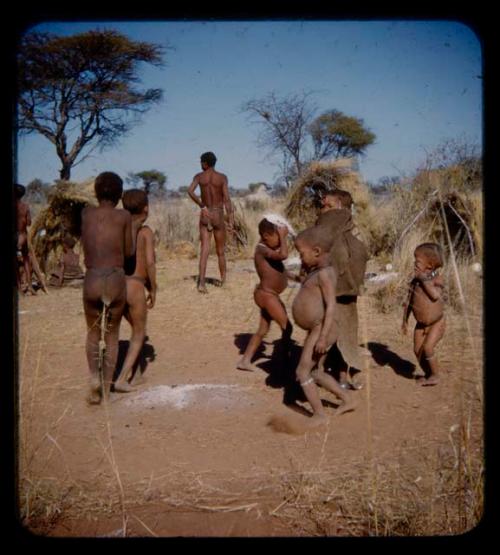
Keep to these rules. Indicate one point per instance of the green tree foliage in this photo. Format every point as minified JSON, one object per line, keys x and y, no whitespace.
{"x":79,"y":91}
{"x":153,"y":181}
{"x":288,"y":127}
{"x":336,"y":135}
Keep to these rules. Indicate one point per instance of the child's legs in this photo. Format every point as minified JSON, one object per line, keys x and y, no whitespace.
{"x":136,"y":313}
{"x":115,"y":312}
{"x":220,"y":242}
{"x":245,"y":362}
{"x":92,"y":310}
{"x":327,"y":381}
{"x":273,"y":305}
{"x":108,"y":285}
{"x":304,"y":368}
{"x":433,"y":335}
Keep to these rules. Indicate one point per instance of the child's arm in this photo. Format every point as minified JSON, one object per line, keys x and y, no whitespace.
{"x":129,"y":240}
{"x":407,"y":310}
{"x":150,"y":265}
{"x":28,"y":216}
{"x":282,"y":252}
{"x":294,"y":277}
{"x":327,"y":282}
{"x":432,"y":286}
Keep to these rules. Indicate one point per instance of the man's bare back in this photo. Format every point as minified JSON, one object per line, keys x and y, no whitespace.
{"x":214,"y":198}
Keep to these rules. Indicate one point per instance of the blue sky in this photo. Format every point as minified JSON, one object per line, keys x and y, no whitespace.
{"x":414,"y":83}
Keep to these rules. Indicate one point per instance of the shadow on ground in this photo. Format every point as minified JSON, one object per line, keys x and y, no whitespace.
{"x":383,"y":356}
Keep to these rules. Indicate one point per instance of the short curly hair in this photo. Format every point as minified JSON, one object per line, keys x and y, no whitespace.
{"x":433,"y":253}
{"x":316,"y":236}
{"x":265,"y":226}
{"x":209,"y":158}
{"x":135,"y":200}
{"x":20,"y":190}
{"x":108,"y":186}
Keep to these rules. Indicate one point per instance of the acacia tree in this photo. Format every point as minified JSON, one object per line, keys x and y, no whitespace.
{"x":153,"y":181}
{"x":79,"y":92}
{"x":288,"y":127}
{"x":339,"y":136}
{"x":284,"y":124}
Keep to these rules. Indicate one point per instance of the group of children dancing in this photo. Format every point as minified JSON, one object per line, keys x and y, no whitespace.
{"x":120,"y":281}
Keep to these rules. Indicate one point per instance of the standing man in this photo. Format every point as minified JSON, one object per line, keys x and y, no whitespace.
{"x":214,"y":197}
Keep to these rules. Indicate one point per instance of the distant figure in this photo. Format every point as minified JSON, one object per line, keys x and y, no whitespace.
{"x":140,"y":270}
{"x":214,"y":197}
{"x":23,"y":218}
{"x":425,"y":302}
{"x":107,"y":240}
{"x":314,"y":310}
{"x":348,"y":256}
{"x":268,"y":258}
{"x":68,"y":267}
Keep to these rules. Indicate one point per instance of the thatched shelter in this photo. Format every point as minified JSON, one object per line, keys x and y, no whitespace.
{"x":61,"y":216}
{"x":445,"y":208}
{"x":319,"y":177}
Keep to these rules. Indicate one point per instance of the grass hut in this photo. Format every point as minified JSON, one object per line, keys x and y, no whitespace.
{"x":61,"y":216}
{"x":439,"y":203}
{"x":319,"y":177}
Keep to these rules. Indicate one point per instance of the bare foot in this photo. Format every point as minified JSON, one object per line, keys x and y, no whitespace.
{"x":138,"y":379}
{"x":202,"y":289}
{"x":94,"y":396}
{"x":219,"y":282}
{"x":31,"y":291}
{"x":318,"y":420}
{"x":431,"y":380}
{"x":243,"y":365}
{"x":123,"y":387}
{"x":346,"y":406}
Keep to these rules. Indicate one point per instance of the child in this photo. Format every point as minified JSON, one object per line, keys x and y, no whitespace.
{"x":314,"y":309}
{"x":268,"y":258}
{"x":107,"y":240}
{"x":23,"y":218}
{"x":348,"y":256}
{"x":140,"y":272}
{"x":69,"y":264}
{"x":425,"y":301}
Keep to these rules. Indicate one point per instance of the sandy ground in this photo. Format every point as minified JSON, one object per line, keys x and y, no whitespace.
{"x":189,"y":453}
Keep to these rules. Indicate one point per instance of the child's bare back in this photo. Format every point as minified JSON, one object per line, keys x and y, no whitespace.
{"x":107,"y":241}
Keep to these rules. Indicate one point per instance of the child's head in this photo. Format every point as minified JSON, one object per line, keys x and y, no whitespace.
{"x":208,"y":160}
{"x":20,"y":190}
{"x":136,"y":202}
{"x":68,"y":242}
{"x":428,"y":256}
{"x":313,"y":244}
{"x":269,"y":233}
{"x":108,"y":186}
{"x":338,"y":199}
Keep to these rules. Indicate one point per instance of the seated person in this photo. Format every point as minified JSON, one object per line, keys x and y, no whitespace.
{"x":68,"y":267}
